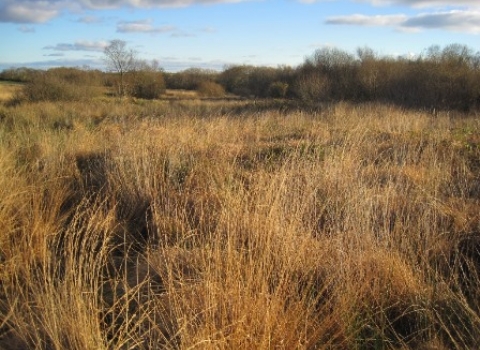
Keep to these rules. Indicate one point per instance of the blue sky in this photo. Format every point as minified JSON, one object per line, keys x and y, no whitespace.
{"x":214,"y":33}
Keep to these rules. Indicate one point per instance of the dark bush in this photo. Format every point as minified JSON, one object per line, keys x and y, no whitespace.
{"x":57,"y":84}
{"x":21,"y":75}
{"x":210,"y":89}
{"x":441,"y":79}
{"x":189,"y":79}
{"x":148,"y":85}
{"x":48,"y":86}
{"x":250,"y":81}
{"x":278,"y":89}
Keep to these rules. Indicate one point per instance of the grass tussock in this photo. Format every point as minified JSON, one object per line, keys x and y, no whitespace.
{"x":211,"y":225}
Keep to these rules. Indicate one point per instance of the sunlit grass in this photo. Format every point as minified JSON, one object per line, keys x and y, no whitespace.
{"x":8,"y":90}
{"x":155,"y":224}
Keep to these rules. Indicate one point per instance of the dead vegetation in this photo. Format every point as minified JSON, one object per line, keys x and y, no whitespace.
{"x":178,"y":225}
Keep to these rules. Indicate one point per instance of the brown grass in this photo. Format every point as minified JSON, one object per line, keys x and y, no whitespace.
{"x":8,"y":90}
{"x":179,"y":225}
{"x":181,"y":94}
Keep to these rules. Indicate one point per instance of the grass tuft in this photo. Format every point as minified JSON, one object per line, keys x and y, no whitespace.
{"x":213,"y":224}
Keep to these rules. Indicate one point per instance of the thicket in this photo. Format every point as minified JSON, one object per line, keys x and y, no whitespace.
{"x":447,"y":78}
{"x":61,"y":84}
{"x":147,"y":83}
{"x":20,"y":75}
{"x":210,"y":89}
{"x":257,"y":82}
{"x":73,"y":84}
{"x":439,"y":79}
{"x":190,"y":79}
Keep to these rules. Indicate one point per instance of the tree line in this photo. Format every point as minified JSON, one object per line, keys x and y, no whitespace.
{"x":441,"y":78}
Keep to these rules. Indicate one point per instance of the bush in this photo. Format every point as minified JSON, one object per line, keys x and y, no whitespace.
{"x":148,"y":85}
{"x":21,"y":75}
{"x":210,"y":89}
{"x":313,"y":87}
{"x":278,"y":89}
{"x":443,"y":79}
{"x":189,"y":79}
{"x":250,"y":81}
{"x":47,"y":86}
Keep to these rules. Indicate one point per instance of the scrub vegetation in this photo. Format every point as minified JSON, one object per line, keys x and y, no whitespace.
{"x":239,"y":221}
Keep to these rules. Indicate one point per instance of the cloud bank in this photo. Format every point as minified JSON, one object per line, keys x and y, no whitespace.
{"x":143,"y":26}
{"x":455,"y":20}
{"x":170,"y":64}
{"x":30,"y":11}
{"x":106,"y":4}
{"x":95,"y":46}
{"x":459,"y":15}
{"x":415,"y":3}
{"x":426,"y":3}
{"x":363,"y":20}
{"x":36,"y":11}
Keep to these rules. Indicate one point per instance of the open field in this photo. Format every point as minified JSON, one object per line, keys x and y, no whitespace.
{"x":233,"y":225}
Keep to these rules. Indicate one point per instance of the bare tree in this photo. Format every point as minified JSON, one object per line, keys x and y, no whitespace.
{"x":121,"y":60}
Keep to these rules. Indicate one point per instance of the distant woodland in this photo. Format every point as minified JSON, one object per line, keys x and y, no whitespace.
{"x":445,"y":78}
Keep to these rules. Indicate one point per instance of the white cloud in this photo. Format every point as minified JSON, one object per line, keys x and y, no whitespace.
{"x":414,"y":3}
{"x":170,"y":64}
{"x":455,"y":20}
{"x":142,"y":26}
{"x":41,"y":11}
{"x":426,"y":3}
{"x":29,"y":11}
{"x":104,"y":4}
{"x":57,"y":61}
{"x":26,"y":29}
{"x":363,"y":20}
{"x":54,"y":55}
{"x":458,"y":21}
{"x":175,"y":64}
{"x":82,"y":45}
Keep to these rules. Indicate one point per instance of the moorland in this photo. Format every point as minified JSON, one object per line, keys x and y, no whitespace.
{"x":198,"y":210}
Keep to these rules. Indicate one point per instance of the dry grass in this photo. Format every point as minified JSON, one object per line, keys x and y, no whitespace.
{"x":8,"y":91}
{"x":175,"y":225}
{"x":181,"y":94}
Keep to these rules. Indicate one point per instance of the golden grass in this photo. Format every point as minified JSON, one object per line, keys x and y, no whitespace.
{"x":180,"y":225}
{"x":181,"y":94}
{"x":8,"y":90}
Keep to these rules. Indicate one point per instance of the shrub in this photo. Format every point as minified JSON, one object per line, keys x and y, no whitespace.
{"x":21,"y":74}
{"x":60,"y":84}
{"x":148,"y":85}
{"x":46,"y":86}
{"x":313,"y":87}
{"x":189,"y":79}
{"x":210,"y":89}
{"x":278,"y":89}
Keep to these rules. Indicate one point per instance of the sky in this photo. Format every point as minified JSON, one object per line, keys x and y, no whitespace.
{"x":214,"y":34}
